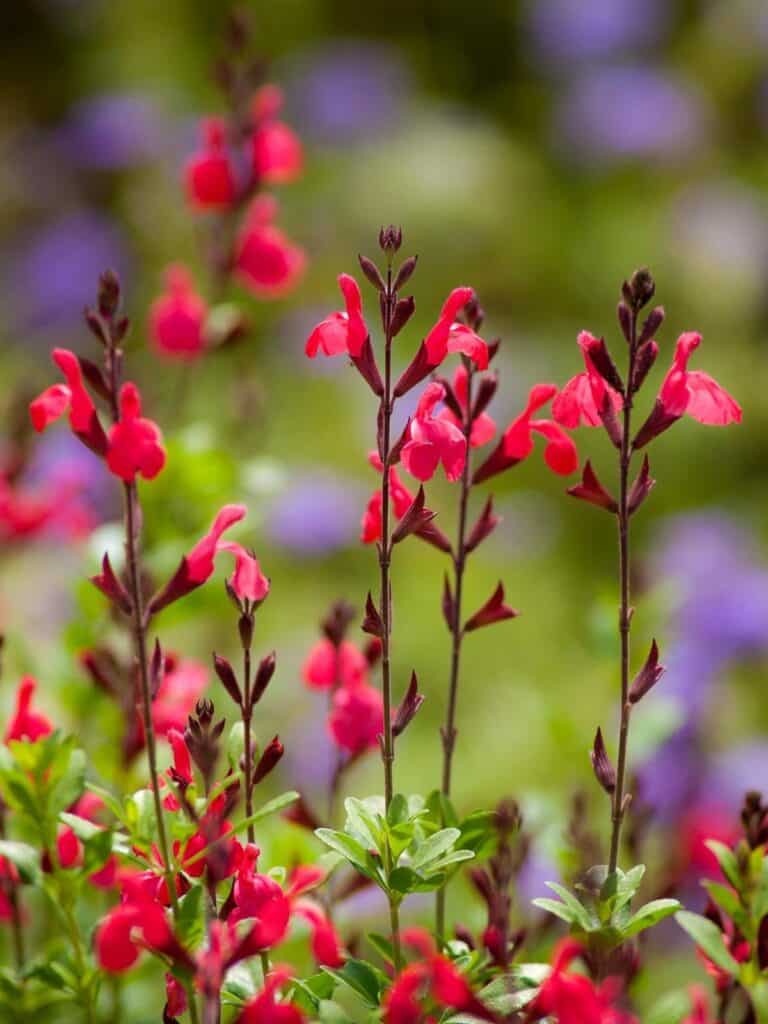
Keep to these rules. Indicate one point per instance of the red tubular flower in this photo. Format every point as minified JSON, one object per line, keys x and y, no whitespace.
{"x":177,"y":318}
{"x":175,"y":998}
{"x":326,"y":945}
{"x":264,"y":1007}
{"x":247,"y":581}
{"x":209,"y":177}
{"x":184,"y":682}
{"x":138,"y":921}
{"x":699,"y":1008}
{"x":573,"y":998}
{"x":56,"y":400}
{"x":582,"y":398}
{"x":27,"y":724}
{"x":266,"y":262}
{"x":517,"y":442}
{"x":326,"y":666}
{"x":433,"y":440}
{"x":694,"y":392}
{"x":356,"y":719}
{"x":197,"y":566}
{"x":180,"y":774}
{"x":483,"y":426}
{"x":135,"y":443}
{"x":448,"y":335}
{"x":341,"y":332}
{"x":260,"y":898}
{"x":276,"y":151}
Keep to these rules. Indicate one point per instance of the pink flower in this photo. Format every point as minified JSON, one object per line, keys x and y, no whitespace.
{"x":400,"y":498}
{"x":356,"y":719}
{"x":27,"y":724}
{"x":483,"y":427}
{"x":582,"y":398}
{"x":135,"y":443}
{"x":448,"y":335}
{"x":177,"y":318}
{"x":260,"y":898}
{"x":326,"y":666}
{"x":264,"y":1007}
{"x":341,"y":332}
{"x":180,"y":773}
{"x":276,"y":152}
{"x":695,"y":392}
{"x":72,"y":397}
{"x":560,"y":453}
{"x":247,"y":581}
{"x":139,"y":920}
{"x":433,"y":440}
{"x":184,"y":682}
{"x":266,"y":262}
{"x":574,"y":998}
{"x":209,"y":177}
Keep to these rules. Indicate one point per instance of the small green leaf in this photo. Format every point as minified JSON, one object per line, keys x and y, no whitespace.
{"x":398,"y":810}
{"x":726,"y":858}
{"x":349,"y":849}
{"x":579,"y":913}
{"x":709,"y":939}
{"x":555,"y":907}
{"x":382,"y":946}
{"x":431,"y":849}
{"x":189,"y":921}
{"x":25,"y":857}
{"x":649,"y":915}
{"x":363,"y":978}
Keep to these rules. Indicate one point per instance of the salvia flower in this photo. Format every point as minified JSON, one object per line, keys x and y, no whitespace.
{"x":264,"y":1008}
{"x":574,"y":998}
{"x":342,"y":332}
{"x":266,"y":262}
{"x":326,"y":665}
{"x":209,"y":176}
{"x":247,"y":582}
{"x":356,"y":718}
{"x":448,"y":335}
{"x":433,"y":440}
{"x":177,"y":318}
{"x":135,"y":443}
{"x":277,"y":156}
{"x":73,"y":398}
{"x":27,"y":723}
{"x":582,"y":398}
{"x":483,"y":426}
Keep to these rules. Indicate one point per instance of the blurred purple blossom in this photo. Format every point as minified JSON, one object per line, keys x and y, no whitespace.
{"x":112,"y":131}
{"x":630,"y":112}
{"x":564,"y":31}
{"x":347,"y":92}
{"x":50,"y":274}
{"x":317,"y":513}
{"x":60,"y":463}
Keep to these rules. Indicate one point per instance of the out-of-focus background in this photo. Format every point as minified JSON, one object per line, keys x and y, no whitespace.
{"x":538,"y":151}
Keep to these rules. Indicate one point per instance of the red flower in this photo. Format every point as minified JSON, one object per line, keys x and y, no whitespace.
{"x":326,"y":666}
{"x":175,"y":998}
{"x":573,"y":998}
{"x":483,"y":427}
{"x":72,"y":397}
{"x":27,"y":724}
{"x":209,"y":176}
{"x":266,"y":262}
{"x":699,"y":1008}
{"x":177,"y":318}
{"x":695,"y":392}
{"x":247,"y":581}
{"x":276,"y":151}
{"x":582,"y":398}
{"x":135,"y":443}
{"x":180,"y":774}
{"x":139,"y":920}
{"x":264,"y":1007}
{"x":341,"y":332}
{"x":260,"y":898}
{"x":184,"y":681}
{"x":197,"y":566}
{"x":433,"y":440}
{"x":448,"y":335}
{"x":326,"y":945}
{"x":356,"y":719}
{"x":560,"y":453}
{"x":399,"y":495}
{"x":26,"y":514}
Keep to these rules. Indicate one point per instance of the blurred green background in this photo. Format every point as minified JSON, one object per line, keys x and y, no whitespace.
{"x":539,"y":152}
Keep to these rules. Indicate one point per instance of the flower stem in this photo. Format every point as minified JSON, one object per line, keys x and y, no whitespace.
{"x":385,"y":545}
{"x":448,"y":731}
{"x":247,"y":742}
{"x":625,"y":609}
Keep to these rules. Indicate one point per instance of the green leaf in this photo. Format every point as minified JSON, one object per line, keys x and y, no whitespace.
{"x":349,"y":849}
{"x":70,"y":785}
{"x":240,"y":985}
{"x":726,"y":858}
{"x":431,"y":849}
{"x":579,"y":913}
{"x":555,"y":907}
{"x":362,"y":824}
{"x":96,"y":851}
{"x":270,"y":807}
{"x":363,"y":978}
{"x":382,"y":946}
{"x":727,"y":900}
{"x":709,"y":939}
{"x":189,"y":921}
{"x":398,"y":810}
{"x":619,"y":888}
{"x":25,"y":857}
{"x":308,"y":993}
{"x":649,"y":915}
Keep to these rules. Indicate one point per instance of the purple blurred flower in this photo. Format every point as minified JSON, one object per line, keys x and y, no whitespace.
{"x":564,"y":31}
{"x":52,"y":272}
{"x":112,"y":131}
{"x":61,"y":464}
{"x":347,"y":92}
{"x":317,"y":513}
{"x":630,"y":112}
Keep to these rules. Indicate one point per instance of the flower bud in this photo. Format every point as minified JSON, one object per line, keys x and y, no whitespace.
{"x":226,"y":674}
{"x":390,"y":239}
{"x":605,"y":773}
{"x":409,"y":705}
{"x":268,"y":760}
{"x":108,"y":299}
{"x":264,"y":674}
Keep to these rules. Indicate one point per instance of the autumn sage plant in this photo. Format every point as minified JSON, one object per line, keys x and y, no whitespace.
{"x":169,"y":878}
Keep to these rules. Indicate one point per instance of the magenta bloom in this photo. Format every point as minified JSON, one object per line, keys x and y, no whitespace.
{"x":357,"y":718}
{"x":342,"y":332}
{"x":695,"y":392}
{"x":267,"y":263}
{"x":582,"y":397}
{"x":433,"y":440}
{"x":560,"y":453}
{"x":209,"y":176}
{"x":135,"y":443}
{"x":448,"y":335}
{"x":177,"y":318}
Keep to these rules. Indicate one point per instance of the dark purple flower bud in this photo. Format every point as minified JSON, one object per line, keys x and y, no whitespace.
{"x":658,"y":421}
{"x":590,"y":489}
{"x":642,"y":287}
{"x":263,"y":678}
{"x":372,"y":272}
{"x":497,"y":462}
{"x":409,"y":705}
{"x":390,"y":239}
{"x":652,"y":323}
{"x":605,"y":773}
{"x":414,"y":520}
{"x":646,"y":357}
{"x":450,"y":400}
{"x":433,"y":535}
{"x":484,"y":527}
{"x":268,"y":760}
{"x":108,"y":299}
{"x":372,"y":623}
{"x":156,"y":669}
{"x":226,"y":674}
{"x":489,"y":382}
{"x":337,"y":622}
{"x":108,"y":583}
{"x":404,"y":273}
{"x":494,"y":610}
{"x":624,"y":315}
{"x":648,"y":676}
{"x":95,"y":377}
{"x":448,"y":604}
{"x":605,"y":366}
{"x":641,"y":488}
{"x":404,"y":310}
{"x":396,"y":450}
